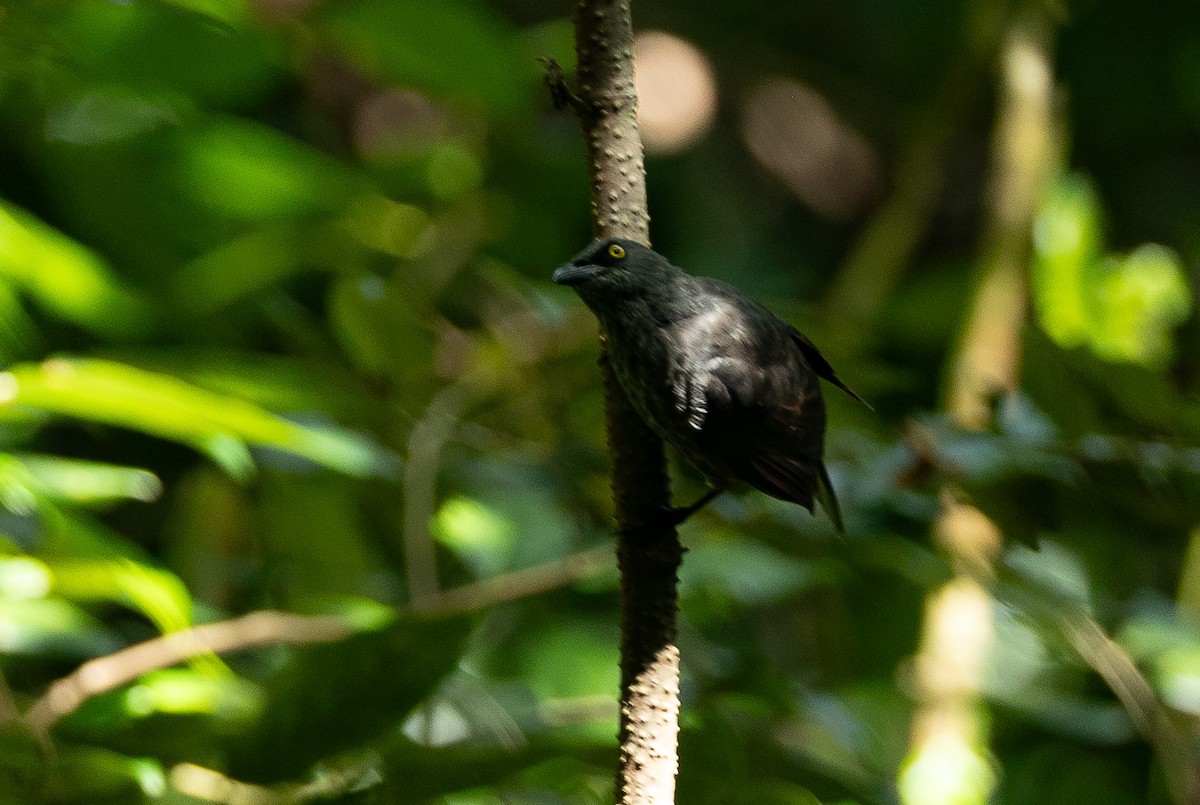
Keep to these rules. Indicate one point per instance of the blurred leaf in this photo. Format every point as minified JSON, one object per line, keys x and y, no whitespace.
{"x":182,"y":691}
{"x":167,"y":45}
{"x":95,"y":776}
{"x":481,"y":536}
{"x":335,"y":697}
{"x":23,"y":578}
{"x":1144,"y":296}
{"x":1068,"y":242}
{"x":1055,"y":576}
{"x":229,"y":11}
{"x":245,"y":266}
{"x":19,"y":336}
{"x":286,"y":384}
{"x":947,"y":770}
{"x":86,"y":483}
{"x":159,"y":594}
{"x":464,"y":50}
{"x":752,"y":572}
{"x":1123,"y":308}
{"x":65,"y":277}
{"x":219,"y":426}
{"x":248,"y":171}
{"x":1169,"y":647}
{"x":52,"y":627}
{"x":376,"y":325}
{"x":314,"y":529}
{"x":106,"y":115}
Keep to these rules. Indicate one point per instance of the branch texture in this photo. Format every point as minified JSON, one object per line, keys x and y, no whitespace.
{"x":648,"y":555}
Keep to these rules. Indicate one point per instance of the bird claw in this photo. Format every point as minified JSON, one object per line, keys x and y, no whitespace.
{"x":671,"y":516}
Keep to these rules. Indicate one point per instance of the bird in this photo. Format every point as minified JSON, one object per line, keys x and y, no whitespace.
{"x":729,"y":384}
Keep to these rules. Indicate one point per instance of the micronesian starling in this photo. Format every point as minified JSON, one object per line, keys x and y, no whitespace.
{"x":727,"y":382}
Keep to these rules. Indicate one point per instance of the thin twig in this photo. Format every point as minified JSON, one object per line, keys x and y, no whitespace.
{"x":113,"y":670}
{"x":425,"y":444}
{"x":264,"y":628}
{"x":518,"y":584}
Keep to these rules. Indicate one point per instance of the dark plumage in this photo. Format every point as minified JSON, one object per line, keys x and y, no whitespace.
{"x":727,"y":382}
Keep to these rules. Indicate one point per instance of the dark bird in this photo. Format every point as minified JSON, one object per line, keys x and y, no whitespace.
{"x":727,"y":382}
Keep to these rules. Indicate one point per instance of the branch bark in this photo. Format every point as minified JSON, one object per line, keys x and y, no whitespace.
{"x":648,"y":552}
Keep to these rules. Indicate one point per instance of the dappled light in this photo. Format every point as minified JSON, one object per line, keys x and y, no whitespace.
{"x":677,"y":91}
{"x":796,"y":135}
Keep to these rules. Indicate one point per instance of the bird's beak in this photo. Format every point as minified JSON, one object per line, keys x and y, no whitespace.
{"x":573,"y":274}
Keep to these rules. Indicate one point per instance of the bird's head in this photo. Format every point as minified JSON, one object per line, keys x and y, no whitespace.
{"x":612,"y":270}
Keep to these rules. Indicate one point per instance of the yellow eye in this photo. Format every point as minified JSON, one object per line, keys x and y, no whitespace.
{"x":616,"y":251}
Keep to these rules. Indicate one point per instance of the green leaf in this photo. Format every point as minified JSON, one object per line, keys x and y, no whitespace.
{"x":108,"y":114}
{"x":335,"y":697}
{"x":752,"y":572}
{"x":464,"y":49}
{"x":86,"y":483}
{"x":103,"y":777}
{"x":219,"y":426}
{"x":51,"y":626}
{"x":1143,"y":297}
{"x":183,"y":691}
{"x":247,"y":171}
{"x":1067,"y":241}
{"x":65,"y":277}
{"x":157,"y":593}
{"x":1122,"y":308}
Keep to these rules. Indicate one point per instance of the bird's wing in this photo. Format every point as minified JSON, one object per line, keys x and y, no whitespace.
{"x":765,"y":426}
{"x":821,"y":366}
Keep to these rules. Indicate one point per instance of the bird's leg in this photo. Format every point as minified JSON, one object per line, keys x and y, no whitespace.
{"x":674,"y":516}
{"x":679,"y":514}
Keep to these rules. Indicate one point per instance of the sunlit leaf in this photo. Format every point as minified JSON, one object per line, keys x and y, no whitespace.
{"x":66,"y":277}
{"x":157,"y":593}
{"x":946,"y":769}
{"x":23,"y":578}
{"x":88,"y":482}
{"x":1123,"y":308}
{"x":183,"y":691}
{"x":54,"y":627}
{"x":481,"y":536}
{"x":219,"y":426}
{"x":1068,"y":241}
{"x":1143,"y":296}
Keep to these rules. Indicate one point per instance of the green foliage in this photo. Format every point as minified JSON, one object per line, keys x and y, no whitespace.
{"x":276,"y":333}
{"x":1123,"y":307}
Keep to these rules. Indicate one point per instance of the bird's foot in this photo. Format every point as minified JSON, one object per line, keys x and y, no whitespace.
{"x":672,"y":516}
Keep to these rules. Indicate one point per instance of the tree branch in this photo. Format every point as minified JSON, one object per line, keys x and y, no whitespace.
{"x":648,"y":550}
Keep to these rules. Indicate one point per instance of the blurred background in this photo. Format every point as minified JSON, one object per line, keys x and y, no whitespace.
{"x":284,"y":375}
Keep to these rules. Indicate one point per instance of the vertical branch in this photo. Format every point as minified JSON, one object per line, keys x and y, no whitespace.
{"x":648,"y":555}
{"x":949,"y":731}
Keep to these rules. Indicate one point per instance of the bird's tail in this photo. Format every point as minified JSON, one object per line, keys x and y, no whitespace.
{"x":829,"y":500}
